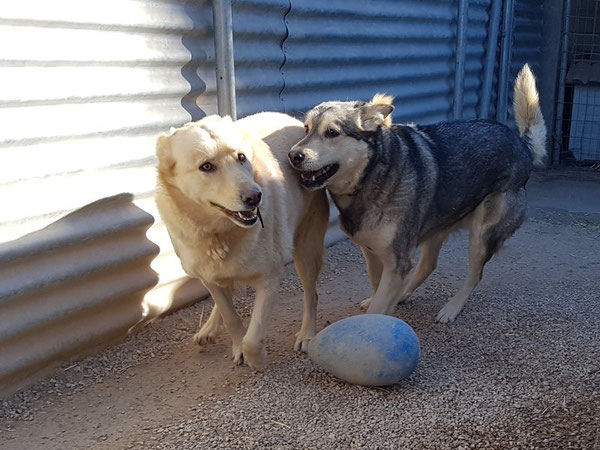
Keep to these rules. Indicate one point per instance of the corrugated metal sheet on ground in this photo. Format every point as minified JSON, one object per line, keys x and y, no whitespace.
{"x":86,"y":87}
{"x":75,"y":284}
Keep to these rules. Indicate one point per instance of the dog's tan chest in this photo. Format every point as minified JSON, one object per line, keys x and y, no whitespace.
{"x":376,"y":239}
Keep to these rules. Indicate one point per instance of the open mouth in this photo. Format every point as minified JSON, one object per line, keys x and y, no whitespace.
{"x":246,"y":218}
{"x":317,"y":178}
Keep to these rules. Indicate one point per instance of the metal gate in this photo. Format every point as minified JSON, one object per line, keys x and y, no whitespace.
{"x":578,"y":117}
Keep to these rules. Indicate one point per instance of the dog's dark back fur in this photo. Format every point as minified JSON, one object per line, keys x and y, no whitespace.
{"x":434,"y":175}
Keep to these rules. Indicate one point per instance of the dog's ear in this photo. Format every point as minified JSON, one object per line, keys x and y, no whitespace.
{"x":164,"y":153}
{"x":372,"y":116}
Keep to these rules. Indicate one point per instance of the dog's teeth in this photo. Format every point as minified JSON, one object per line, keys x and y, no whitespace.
{"x":313,"y":178}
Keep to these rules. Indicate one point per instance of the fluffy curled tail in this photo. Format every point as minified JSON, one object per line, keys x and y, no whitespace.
{"x":526,"y":105}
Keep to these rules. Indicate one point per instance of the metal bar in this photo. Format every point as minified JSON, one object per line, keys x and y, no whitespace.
{"x":505,"y":57}
{"x":490,"y":59}
{"x":459,"y":69}
{"x":224,"y":57}
{"x":560,"y":98}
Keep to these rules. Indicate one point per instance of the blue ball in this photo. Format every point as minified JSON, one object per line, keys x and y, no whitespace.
{"x":370,"y":350}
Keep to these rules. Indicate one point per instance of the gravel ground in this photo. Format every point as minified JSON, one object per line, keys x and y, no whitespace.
{"x":518,"y":369}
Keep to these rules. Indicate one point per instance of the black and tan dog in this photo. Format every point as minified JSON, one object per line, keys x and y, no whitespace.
{"x":400,"y":187}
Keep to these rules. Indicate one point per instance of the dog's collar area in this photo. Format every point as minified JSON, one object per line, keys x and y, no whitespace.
{"x":349,"y":194}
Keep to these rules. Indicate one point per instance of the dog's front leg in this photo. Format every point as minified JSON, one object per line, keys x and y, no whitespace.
{"x":208,"y":332}
{"x":374,"y":270}
{"x":389,"y":290}
{"x":253,"y":344}
{"x":223,"y":298}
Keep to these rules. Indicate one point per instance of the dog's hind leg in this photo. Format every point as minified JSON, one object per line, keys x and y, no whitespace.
{"x":430,"y":250}
{"x":308,"y":259}
{"x":211,"y":329}
{"x":374,"y":270}
{"x":496,"y":218}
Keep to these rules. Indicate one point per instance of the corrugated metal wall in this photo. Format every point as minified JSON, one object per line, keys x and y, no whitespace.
{"x":293,"y":54}
{"x":344,"y":50}
{"x":86,"y":87}
{"x":527,"y":43}
{"x":309,"y":52}
{"x":477,"y":36}
{"x":258,"y":32}
{"x":527,"y":40}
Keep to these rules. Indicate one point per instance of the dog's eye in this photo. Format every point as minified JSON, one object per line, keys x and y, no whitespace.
{"x":331,"y":133}
{"x":241,"y":157}
{"x":305,"y":129}
{"x":207,"y":167}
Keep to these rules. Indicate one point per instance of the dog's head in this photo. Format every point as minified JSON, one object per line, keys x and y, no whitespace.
{"x":210,"y":163}
{"x":335,"y":150}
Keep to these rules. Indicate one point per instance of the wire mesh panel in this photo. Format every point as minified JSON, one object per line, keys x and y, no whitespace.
{"x":579,"y":127}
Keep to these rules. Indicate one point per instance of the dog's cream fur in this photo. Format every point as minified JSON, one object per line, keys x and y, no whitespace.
{"x":528,"y":115}
{"x":220,"y":251}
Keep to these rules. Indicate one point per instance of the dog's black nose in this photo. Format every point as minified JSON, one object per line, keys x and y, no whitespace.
{"x":252,"y":198}
{"x":296,"y":157}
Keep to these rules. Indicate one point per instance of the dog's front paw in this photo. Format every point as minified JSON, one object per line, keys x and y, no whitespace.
{"x":237,"y":355}
{"x":449,"y":312}
{"x":364,"y":305}
{"x":302,"y":340}
{"x":254,"y":354}
{"x":207,"y":334}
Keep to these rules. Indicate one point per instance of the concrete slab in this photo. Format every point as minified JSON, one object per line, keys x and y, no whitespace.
{"x":568,"y":190}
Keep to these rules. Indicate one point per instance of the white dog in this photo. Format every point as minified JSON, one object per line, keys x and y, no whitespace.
{"x":235,"y":210}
